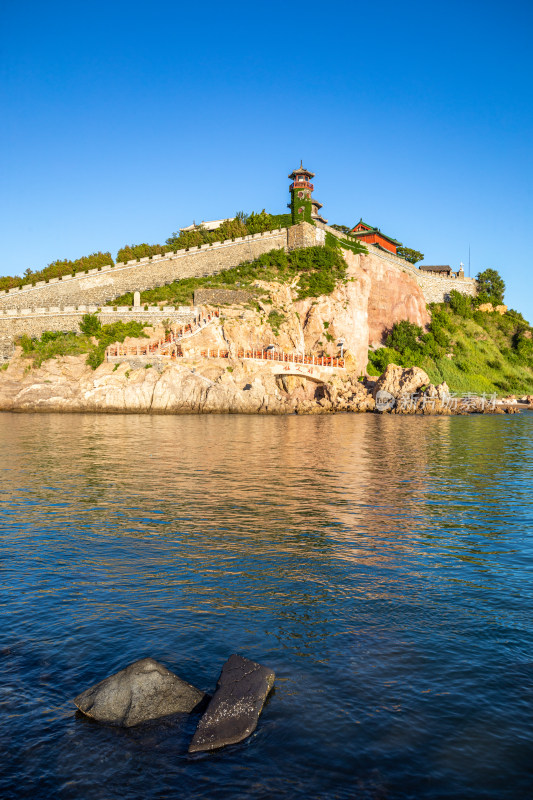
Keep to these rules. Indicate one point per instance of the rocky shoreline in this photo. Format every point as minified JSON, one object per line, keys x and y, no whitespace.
{"x":221,"y":386}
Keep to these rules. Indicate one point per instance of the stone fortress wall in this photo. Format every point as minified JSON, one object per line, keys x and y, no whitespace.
{"x":34,"y":322}
{"x":100,"y":286}
{"x":59,"y":304}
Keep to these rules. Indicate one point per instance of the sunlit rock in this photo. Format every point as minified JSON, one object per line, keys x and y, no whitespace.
{"x":399,"y":382}
{"x":144,"y":690}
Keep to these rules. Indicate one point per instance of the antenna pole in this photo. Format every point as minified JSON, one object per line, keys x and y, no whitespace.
{"x":468,"y":260}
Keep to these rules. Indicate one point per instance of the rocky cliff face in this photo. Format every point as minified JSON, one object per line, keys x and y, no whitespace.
{"x":394,"y":295}
{"x":192,"y":386}
{"x":359,"y":311}
{"x":374,"y":295}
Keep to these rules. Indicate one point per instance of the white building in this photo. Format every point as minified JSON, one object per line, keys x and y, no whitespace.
{"x":207,"y":225}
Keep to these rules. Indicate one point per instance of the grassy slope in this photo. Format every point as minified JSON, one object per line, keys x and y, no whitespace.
{"x":485,"y":356}
{"x":484,"y":361}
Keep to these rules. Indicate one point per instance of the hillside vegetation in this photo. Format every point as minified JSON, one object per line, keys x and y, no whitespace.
{"x":318,"y":269}
{"x":57,"y":269}
{"x":242,"y":225}
{"x":472,"y":350}
{"x":93,"y":340}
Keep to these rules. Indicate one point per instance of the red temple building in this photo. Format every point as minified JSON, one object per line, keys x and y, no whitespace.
{"x":367,"y":233}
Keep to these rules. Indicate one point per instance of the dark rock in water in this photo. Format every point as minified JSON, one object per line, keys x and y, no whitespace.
{"x":235,"y":707}
{"x":144,"y":690}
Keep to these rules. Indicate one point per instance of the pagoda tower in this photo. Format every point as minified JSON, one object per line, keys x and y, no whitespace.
{"x":303,"y":207}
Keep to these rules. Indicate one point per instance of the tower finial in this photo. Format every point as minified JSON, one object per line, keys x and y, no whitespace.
{"x":301,"y":163}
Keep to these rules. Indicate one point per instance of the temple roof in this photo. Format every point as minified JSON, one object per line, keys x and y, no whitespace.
{"x":438,"y":268}
{"x":300,"y":171}
{"x":370,"y":230}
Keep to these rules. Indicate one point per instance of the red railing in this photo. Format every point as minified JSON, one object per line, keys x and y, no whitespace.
{"x":170,"y":347}
{"x":276,"y":355}
{"x":161,"y":348}
{"x":301,"y":185}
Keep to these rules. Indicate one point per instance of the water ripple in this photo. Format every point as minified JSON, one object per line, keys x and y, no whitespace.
{"x":382,"y":566}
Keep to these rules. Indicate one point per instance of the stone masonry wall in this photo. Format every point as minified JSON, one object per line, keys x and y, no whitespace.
{"x":305,"y":235}
{"x":437,"y":289}
{"x":34,"y":323}
{"x":54,"y":305}
{"x":100,"y":287}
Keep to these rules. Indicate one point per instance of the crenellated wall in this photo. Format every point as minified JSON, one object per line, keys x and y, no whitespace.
{"x":33,"y":322}
{"x":59,"y":304}
{"x":102,"y":286}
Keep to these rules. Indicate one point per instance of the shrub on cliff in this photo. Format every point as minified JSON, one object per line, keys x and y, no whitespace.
{"x":53,"y":344}
{"x":413,"y":256}
{"x":107,"y":334}
{"x":380,"y":359}
{"x":404,"y":336}
{"x":480,"y":352}
{"x":90,"y":324}
{"x":407,"y":346}
{"x":461,"y":304}
{"x":319,"y":269}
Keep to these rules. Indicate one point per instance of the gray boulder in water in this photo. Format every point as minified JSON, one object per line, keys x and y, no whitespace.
{"x":144,"y":690}
{"x":234,"y":709}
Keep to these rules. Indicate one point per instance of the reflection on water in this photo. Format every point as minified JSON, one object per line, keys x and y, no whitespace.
{"x":382,"y":566}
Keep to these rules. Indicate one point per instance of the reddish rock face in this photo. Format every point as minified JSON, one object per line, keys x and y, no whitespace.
{"x":394,"y":295}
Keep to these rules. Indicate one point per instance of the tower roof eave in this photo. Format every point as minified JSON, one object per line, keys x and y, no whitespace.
{"x":300,"y":171}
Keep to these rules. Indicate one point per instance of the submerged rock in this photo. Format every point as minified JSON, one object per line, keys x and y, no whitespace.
{"x":232,"y":714}
{"x":144,"y":690}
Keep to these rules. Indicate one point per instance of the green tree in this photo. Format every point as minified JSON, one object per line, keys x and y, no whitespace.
{"x":90,"y":324}
{"x":404,"y":336}
{"x":490,"y":286}
{"x":410,"y":255}
{"x":460,"y":304}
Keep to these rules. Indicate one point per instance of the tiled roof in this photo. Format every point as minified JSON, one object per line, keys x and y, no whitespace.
{"x":361,"y":222}
{"x":301,"y":171}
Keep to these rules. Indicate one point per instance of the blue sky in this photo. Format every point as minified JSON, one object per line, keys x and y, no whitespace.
{"x":123,"y":121}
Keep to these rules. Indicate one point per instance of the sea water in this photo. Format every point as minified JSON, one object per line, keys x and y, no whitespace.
{"x":382,"y":566}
